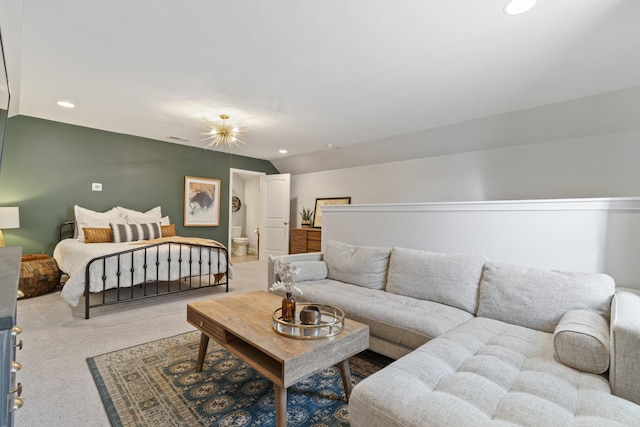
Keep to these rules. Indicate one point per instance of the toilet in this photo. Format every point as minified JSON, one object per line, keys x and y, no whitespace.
{"x":239,"y":243}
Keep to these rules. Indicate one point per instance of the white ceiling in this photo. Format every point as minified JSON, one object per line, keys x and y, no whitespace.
{"x":305,"y":74}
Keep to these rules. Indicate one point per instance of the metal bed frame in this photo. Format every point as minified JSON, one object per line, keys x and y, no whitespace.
{"x":194,"y":279}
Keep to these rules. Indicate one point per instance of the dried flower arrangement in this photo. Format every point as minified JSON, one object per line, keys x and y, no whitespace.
{"x":287,"y":273}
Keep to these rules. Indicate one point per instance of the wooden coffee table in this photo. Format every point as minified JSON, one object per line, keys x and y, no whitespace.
{"x":242,"y":324}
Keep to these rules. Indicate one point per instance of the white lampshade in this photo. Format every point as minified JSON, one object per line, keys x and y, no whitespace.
{"x":9,"y":218}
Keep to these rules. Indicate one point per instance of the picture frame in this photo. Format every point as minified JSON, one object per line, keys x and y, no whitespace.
{"x":317,"y":212}
{"x":201,"y":202}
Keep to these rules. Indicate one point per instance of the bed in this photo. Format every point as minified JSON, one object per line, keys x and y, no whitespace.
{"x":121,"y":266}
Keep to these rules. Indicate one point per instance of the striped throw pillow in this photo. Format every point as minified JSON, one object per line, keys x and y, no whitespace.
{"x":134,"y":232}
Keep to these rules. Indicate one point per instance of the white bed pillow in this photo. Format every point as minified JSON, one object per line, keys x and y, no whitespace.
{"x":80,"y":210}
{"x":92,"y":219}
{"x":147,"y":220}
{"x":151,"y":213}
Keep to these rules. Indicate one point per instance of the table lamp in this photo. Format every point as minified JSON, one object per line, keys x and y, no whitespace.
{"x":9,"y":218}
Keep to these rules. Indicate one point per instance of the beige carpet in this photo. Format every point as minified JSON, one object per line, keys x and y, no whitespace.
{"x":58,"y":389}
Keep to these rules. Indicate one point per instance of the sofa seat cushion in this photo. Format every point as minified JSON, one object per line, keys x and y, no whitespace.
{"x":447,"y":278}
{"x":486,"y":372}
{"x":405,"y":321}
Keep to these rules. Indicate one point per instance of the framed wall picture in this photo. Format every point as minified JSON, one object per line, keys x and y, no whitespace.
{"x":317,"y":213}
{"x":201,"y":202}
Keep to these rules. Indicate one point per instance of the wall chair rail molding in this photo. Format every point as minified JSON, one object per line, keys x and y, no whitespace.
{"x":586,"y":235}
{"x":608,"y":204}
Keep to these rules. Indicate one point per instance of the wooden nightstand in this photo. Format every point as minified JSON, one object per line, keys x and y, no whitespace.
{"x":306,"y":240}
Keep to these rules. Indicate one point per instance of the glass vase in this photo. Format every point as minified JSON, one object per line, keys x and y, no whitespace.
{"x":288,"y":308}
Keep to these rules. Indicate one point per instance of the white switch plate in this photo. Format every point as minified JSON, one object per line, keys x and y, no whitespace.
{"x":96,"y":186}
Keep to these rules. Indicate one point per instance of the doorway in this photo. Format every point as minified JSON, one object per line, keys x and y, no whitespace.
{"x":244,"y":207}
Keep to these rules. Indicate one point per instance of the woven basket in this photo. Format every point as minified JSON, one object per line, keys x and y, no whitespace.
{"x":39,"y":275}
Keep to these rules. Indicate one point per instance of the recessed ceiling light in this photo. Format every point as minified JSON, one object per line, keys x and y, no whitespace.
{"x":66,"y":104}
{"x":283,"y":151}
{"x":516,"y":7}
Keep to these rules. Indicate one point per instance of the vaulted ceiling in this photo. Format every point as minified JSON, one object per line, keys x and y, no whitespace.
{"x":308,"y":75}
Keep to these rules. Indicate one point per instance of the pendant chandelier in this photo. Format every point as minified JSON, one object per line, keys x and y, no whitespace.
{"x":223,"y":133}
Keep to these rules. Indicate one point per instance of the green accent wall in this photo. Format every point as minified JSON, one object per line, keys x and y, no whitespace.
{"x":48,"y":167}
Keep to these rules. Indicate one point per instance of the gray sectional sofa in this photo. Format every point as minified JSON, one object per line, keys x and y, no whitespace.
{"x":480,"y":342}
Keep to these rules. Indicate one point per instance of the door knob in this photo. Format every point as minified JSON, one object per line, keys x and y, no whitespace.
{"x":17,"y":403}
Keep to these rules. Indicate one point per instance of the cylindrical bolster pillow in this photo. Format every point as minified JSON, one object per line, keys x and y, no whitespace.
{"x":581,"y":341}
{"x":311,"y":270}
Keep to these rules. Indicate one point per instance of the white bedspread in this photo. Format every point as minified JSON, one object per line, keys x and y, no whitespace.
{"x":73,"y":256}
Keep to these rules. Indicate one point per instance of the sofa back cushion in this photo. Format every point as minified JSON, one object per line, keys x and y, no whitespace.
{"x":359,"y":265}
{"x":538,"y":299}
{"x":446,"y":278}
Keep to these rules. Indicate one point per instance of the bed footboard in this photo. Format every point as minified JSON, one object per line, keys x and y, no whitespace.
{"x":153,"y":270}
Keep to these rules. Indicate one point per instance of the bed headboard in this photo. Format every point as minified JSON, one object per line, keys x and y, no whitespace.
{"x":66,"y":230}
{"x":588,"y":235}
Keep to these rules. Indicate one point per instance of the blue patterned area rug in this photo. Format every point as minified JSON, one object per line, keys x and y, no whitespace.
{"x":155,"y":384}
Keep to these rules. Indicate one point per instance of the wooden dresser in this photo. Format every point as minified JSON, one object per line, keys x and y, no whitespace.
{"x":305,"y":240}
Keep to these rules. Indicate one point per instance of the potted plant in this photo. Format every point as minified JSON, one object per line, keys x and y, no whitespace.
{"x":305,"y":214}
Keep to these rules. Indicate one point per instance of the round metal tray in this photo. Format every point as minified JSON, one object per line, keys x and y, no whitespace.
{"x":331,"y":323}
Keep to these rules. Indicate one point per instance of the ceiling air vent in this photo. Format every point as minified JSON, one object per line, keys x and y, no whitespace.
{"x":179,"y":138}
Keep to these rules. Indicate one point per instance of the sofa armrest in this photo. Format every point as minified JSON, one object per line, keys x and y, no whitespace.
{"x":624,"y":371}
{"x":271,"y":273}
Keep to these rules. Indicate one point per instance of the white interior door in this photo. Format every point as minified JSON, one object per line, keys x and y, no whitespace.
{"x":274,"y":215}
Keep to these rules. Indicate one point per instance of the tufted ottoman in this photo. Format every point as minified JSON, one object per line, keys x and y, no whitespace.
{"x":39,"y":275}
{"x":487,"y":372}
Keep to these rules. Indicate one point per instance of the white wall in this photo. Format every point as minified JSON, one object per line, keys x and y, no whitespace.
{"x":593,"y":166}
{"x":252,"y":200}
{"x":246,"y":185}
{"x":238,"y":218}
